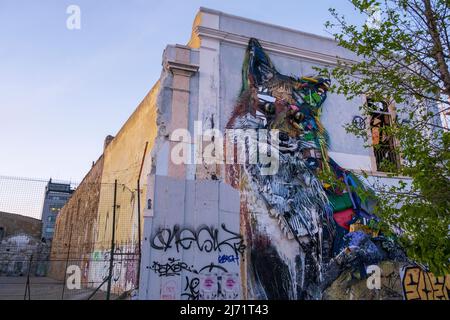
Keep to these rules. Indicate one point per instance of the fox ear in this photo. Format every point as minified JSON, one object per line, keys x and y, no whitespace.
{"x":313,"y":91}
{"x":257,"y":67}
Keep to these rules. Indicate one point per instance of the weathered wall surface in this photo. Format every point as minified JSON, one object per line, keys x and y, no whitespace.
{"x":14,"y":224}
{"x":352,"y":286}
{"x":194,"y":243}
{"x":122,"y":162}
{"x":84,"y":226}
{"x":398,"y":282}
{"x":20,"y":238}
{"x":192,"y":246}
{"x":76,"y":225}
{"x":126,"y":158}
{"x":202,"y":82}
{"x":418,"y":284}
{"x":22,"y":253}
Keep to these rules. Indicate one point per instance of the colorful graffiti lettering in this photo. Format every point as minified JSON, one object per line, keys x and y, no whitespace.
{"x":421,"y":285}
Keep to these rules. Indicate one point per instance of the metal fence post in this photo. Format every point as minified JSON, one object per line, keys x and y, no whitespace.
{"x":139,"y":231}
{"x":111,"y":258}
{"x":67,"y":262}
{"x":27,"y":286}
{"x":139,"y":214}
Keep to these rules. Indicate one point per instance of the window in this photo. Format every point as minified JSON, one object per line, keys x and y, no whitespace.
{"x":381,"y":118}
{"x":59,"y":198}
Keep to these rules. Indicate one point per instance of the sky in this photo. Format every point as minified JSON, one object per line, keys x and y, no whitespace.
{"x":63,"y":91}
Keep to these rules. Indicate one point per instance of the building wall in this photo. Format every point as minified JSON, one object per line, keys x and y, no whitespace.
{"x":22,"y":253}
{"x":20,"y":239}
{"x":124,"y":158}
{"x":191,"y":217}
{"x":76,"y":225}
{"x":183,"y":197}
{"x":15,"y":224}
{"x":85,"y":223}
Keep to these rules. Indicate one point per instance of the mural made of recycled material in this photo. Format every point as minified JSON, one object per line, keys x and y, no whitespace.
{"x":287,"y":235}
{"x":300,"y":232}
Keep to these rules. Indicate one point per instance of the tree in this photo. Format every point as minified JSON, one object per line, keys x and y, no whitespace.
{"x":403,"y":58}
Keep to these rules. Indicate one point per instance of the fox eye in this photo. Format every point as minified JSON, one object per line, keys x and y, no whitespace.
{"x":269,"y":108}
{"x":299,"y":116}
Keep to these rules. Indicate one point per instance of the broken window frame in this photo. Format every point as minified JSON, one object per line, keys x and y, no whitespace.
{"x":390,"y":154}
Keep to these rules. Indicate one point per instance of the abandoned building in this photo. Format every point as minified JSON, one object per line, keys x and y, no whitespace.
{"x":191,"y":232}
{"x":20,"y":241}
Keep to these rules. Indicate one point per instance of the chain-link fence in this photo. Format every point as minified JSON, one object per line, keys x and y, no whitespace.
{"x":94,"y":248}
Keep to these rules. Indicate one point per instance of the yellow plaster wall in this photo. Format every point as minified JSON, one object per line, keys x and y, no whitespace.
{"x":195,"y":41}
{"x":122,"y":162}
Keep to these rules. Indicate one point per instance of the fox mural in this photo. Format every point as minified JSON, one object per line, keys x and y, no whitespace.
{"x":295,"y":225}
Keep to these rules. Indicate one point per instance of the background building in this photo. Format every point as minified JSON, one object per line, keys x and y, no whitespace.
{"x":14,"y":224}
{"x":20,"y":238}
{"x":56,"y":196}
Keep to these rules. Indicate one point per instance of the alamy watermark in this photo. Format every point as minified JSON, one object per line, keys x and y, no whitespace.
{"x":73,"y":21}
{"x":73,"y":280}
{"x":374,"y":279}
{"x":235,"y":146}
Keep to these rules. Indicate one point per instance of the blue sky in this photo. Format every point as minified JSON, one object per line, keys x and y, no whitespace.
{"x":62,"y":91}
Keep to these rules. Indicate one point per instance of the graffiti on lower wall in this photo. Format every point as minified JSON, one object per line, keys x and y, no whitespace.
{"x":214,"y":277}
{"x":205,"y":239}
{"x":211,"y":282}
{"x":125,"y":268}
{"x":421,"y":285}
{"x":174,"y":267}
{"x":222,"y":285}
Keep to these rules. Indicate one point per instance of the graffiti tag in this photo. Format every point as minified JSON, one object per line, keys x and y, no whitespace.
{"x":205,"y":239}
{"x":228,"y":259}
{"x":421,"y":285}
{"x":191,"y":291}
{"x":174,"y":267}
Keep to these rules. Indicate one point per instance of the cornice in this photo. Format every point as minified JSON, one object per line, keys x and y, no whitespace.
{"x":205,"y":32}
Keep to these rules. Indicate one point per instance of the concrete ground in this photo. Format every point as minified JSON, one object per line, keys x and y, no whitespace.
{"x":44,"y":288}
